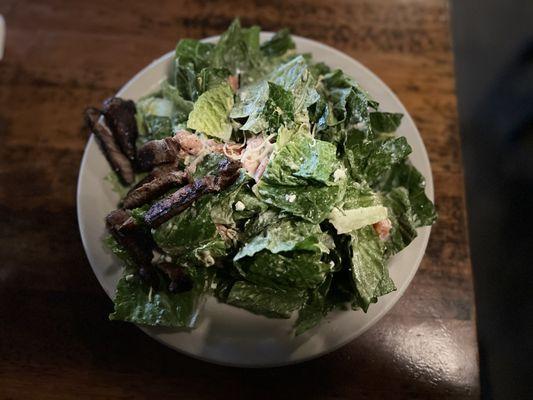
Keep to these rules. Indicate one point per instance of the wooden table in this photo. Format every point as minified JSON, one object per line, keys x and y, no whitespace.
{"x":55,"y":340}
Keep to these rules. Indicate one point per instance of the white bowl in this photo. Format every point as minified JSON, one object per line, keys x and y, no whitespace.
{"x":225,"y":334}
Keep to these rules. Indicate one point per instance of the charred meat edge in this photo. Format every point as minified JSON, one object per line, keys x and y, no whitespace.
{"x":162,"y":210}
{"x":120,"y":116}
{"x":155,"y":184}
{"x":136,"y":241}
{"x":118,"y":161}
{"x":157,"y":152}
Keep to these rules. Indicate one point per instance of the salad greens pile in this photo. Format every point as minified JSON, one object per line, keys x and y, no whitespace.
{"x":337,"y":198}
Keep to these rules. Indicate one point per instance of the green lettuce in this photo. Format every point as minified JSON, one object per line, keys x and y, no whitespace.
{"x":210,"y":114}
{"x":299,"y":178}
{"x":266,"y":301}
{"x":410,"y":178}
{"x":297,"y":269}
{"x":238,"y":49}
{"x":384,"y":122}
{"x":284,"y":235}
{"x":265,"y":105}
{"x":135,"y":301}
{"x":369,"y":272}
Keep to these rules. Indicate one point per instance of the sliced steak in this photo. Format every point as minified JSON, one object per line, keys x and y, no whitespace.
{"x":120,"y":116}
{"x":157,"y":185}
{"x":181,"y":199}
{"x":118,"y":161}
{"x":157,"y":152}
{"x":174,"y":204}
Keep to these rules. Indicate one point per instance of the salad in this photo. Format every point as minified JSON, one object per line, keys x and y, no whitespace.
{"x":260,"y":177}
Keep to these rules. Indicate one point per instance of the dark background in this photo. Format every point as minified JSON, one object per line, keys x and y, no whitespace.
{"x":493,"y":46}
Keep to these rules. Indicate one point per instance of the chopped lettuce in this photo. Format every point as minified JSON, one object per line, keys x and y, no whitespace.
{"x":278,"y":45}
{"x":383,"y":122}
{"x":136,"y":301}
{"x":297,"y":269}
{"x":264,"y":300}
{"x":359,"y":207}
{"x":266,"y":106}
{"x":369,"y":271}
{"x":346,"y":221}
{"x":191,"y":229}
{"x":210,"y":114}
{"x":407,"y":176}
{"x":301,"y":160}
{"x":312,"y":203}
{"x":299,"y":178}
{"x":284,"y":235}
{"x":238,"y":49}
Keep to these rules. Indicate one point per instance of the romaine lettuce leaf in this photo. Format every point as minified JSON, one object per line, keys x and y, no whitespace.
{"x":286,"y":91}
{"x":210,"y":77}
{"x":401,"y":215}
{"x":284,"y":235}
{"x":265,"y":105}
{"x":210,"y":114}
{"x":237,"y":49}
{"x":294,"y":77}
{"x":409,"y":177}
{"x":316,"y":307}
{"x":369,"y":271}
{"x":155,"y":115}
{"x":346,"y":221}
{"x":370,"y":160}
{"x":297,"y":269}
{"x":188,"y":230}
{"x":266,"y":301}
{"x":384,"y":122}
{"x":194,"y":52}
{"x":312,"y":203}
{"x":301,"y":160}
{"x":298,"y":179}
{"x":278,"y":44}
{"x":222,"y":205}
{"x":137,"y":302}
{"x":359,"y":207}
{"x":343,"y":106}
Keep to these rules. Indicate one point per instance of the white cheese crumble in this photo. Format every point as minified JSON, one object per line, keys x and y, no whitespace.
{"x":209,"y":260}
{"x":239,"y":206}
{"x":290,"y":197}
{"x":360,"y":125}
{"x":340,"y":173}
{"x":168,"y":259}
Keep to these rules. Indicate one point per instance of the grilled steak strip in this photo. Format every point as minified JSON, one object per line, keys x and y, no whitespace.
{"x":136,"y":241}
{"x":118,"y":161}
{"x":158,"y":184}
{"x":157,"y":152}
{"x":166,"y":208}
{"x":120,"y":116}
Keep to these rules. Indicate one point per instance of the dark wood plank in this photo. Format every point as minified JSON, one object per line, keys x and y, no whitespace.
{"x":55,"y":340}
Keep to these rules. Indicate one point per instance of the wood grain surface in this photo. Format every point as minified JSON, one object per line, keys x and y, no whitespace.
{"x":55,"y":339}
